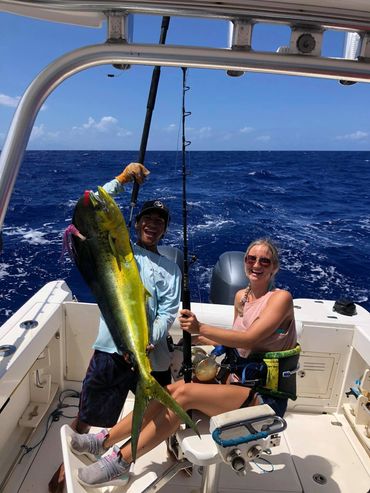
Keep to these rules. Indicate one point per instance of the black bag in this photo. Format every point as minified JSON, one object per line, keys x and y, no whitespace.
{"x":345,"y":307}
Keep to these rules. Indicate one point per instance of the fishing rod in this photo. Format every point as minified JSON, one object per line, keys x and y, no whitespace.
{"x":148,"y":117}
{"x":187,"y":363}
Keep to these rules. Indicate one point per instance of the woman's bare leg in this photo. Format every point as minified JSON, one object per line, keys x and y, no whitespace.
{"x":209,"y":399}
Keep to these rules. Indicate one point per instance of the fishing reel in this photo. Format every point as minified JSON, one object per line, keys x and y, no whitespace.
{"x":210,"y":366}
{"x":204,"y":365}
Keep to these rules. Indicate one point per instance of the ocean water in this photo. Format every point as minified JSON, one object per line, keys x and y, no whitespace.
{"x":314,"y":205}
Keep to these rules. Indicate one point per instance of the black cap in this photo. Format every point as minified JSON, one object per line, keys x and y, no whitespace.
{"x":155,"y":206}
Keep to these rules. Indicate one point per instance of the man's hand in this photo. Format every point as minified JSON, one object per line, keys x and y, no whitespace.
{"x":149,"y":348}
{"x":133,"y":171}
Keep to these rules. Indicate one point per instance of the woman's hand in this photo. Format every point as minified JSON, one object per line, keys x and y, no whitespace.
{"x":189,"y":322}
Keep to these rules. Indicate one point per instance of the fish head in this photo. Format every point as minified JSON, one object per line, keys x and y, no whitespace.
{"x":110,"y":219}
{"x":108,"y":213}
{"x":97,"y":215}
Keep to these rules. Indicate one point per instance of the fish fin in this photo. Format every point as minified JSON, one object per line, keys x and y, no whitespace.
{"x":114,"y":250}
{"x":145,"y":391}
{"x":129,"y":257}
{"x":141,"y":403}
{"x":112,"y":245}
{"x":160,"y":394}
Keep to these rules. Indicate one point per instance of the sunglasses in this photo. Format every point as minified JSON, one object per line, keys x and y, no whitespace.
{"x":252,"y":259}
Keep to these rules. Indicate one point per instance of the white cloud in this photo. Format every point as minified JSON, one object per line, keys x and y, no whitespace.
{"x":264,"y":138}
{"x":124,"y":133}
{"x":38,"y":131}
{"x":246,"y":130}
{"x":200,"y":133}
{"x":171,"y":127}
{"x":10,"y":101}
{"x":205,"y":132}
{"x":358,"y":135}
{"x":104,"y":125}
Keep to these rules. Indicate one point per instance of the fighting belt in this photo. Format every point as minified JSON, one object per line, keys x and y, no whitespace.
{"x":271,"y":373}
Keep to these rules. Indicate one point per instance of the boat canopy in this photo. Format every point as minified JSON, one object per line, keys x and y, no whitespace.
{"x":307,"y":21}
{"x":330,"y":13}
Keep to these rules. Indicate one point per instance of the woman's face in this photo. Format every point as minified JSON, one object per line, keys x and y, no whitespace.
{"x":258,"y":264}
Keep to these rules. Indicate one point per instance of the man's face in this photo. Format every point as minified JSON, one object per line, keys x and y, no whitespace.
{"x":150,"y":228}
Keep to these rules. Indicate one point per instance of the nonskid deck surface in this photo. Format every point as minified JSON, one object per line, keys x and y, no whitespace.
{"x":318,"y":453}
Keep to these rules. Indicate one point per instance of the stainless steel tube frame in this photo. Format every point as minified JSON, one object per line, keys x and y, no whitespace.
{"x":164,"y":55}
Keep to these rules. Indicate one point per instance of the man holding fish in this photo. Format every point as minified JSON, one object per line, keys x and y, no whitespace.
{"x":110,"y":374}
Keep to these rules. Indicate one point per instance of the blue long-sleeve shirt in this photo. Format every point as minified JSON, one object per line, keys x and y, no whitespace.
{"x":162,"y":278}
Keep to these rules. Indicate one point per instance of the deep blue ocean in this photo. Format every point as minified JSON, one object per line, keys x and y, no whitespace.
{"x":315,"y":205}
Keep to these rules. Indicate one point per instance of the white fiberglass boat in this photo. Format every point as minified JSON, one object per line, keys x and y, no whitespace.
{"x":44,"y":347}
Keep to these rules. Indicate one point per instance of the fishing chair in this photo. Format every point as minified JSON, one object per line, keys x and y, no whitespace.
{"x":234,"y":438}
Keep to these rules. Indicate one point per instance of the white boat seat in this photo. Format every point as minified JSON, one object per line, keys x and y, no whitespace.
{"x":200,"y":451}
{"x":234,"y":438}
{"x":237,"y":432}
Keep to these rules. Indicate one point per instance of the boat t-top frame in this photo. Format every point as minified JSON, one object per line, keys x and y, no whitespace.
{"x":307,"y":21}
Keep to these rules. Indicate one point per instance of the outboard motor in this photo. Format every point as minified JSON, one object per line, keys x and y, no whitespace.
{"x":228,"y":277}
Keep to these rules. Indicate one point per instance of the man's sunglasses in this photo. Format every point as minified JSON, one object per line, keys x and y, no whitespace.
{"x":252,"y":259}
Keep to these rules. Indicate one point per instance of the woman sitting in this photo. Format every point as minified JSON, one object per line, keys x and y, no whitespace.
{"x":263,"y":321}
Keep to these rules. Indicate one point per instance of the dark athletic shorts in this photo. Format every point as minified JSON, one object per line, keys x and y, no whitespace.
{"x":105,"y":387}
{"x":277,"y":404}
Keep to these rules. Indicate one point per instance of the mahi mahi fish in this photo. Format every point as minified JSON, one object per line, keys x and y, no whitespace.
{"x":103,"y":254}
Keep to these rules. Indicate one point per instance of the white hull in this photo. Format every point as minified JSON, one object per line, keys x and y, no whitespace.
{"x":336,"y":352}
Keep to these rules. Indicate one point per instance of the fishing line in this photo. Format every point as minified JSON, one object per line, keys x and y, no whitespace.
{"x":148,"y":117}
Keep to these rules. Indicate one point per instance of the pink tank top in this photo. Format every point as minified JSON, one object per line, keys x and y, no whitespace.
{"x":277,"y":341}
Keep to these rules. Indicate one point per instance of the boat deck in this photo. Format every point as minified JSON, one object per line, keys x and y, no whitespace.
{"x":318,"y":453}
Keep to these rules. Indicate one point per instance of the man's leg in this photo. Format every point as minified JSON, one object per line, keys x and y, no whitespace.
{"x":57,"y":482}
{"x":104,"y":390}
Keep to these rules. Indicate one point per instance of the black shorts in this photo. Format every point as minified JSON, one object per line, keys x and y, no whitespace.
{"x":277,"y":404}
{"x":105,"y":387}
{"x":163,"y":377}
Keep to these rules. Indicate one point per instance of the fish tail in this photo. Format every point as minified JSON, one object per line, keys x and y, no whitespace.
{"x":148,"y":388}
{"x":141,"y":403}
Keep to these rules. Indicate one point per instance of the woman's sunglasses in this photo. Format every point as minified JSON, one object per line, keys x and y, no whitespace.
{"x":252,"y":259}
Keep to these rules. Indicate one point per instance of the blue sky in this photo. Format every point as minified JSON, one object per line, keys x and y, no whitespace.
{"x":253,"y":112}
